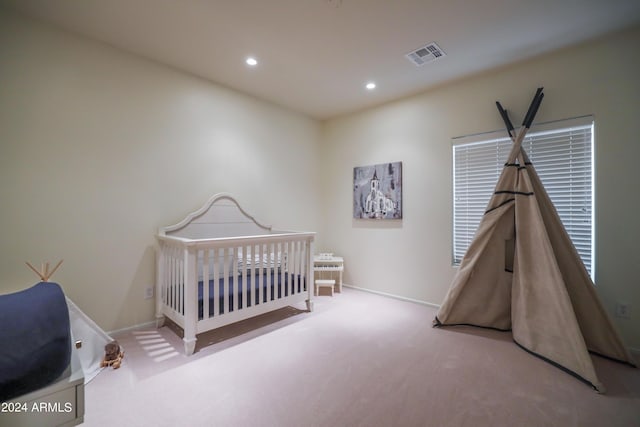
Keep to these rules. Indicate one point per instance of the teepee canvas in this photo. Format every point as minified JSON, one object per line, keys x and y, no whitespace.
{"x":522,"y":273}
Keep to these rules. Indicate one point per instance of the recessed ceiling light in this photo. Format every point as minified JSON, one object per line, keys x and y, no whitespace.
{"x":370,"y":85}
{"x":251,"y":61}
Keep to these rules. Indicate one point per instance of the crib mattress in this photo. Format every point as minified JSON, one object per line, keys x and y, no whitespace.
{"x":279,"y":287}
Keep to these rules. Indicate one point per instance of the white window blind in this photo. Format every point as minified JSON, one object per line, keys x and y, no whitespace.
{"x":562,"y":154}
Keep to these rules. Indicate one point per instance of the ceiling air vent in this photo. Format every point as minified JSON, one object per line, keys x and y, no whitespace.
{"x":425,"y":54}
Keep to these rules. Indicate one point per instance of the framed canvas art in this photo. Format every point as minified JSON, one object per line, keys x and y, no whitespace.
{"x":377,"y":191}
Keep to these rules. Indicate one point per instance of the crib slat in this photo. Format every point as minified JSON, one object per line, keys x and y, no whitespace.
{"x":290,"y":264}
{"x":300,"y":262}
{"x":225,"y":288}
{"x":206,"y":254}
{"x":180,"y":300}
{"x":171,"y":280}
{"x":270,"y":263}
{"x":174,"y":281}
{"x":178,"y":284}
{"x":216,"y":281}
{"x":170,"y":276}
{"x":259,"y":289}
{"x":280,"y":271}
{"x":166,"y":280}
{"x":292,"y":267}
{"x":296,"y":269}
{"x":258,"y":275}
{"x":303,"y":265}
{"x":234,"y":269}
{"x":298,"y":265}
{"x":245,"y":285}
{"x":296,"y":277}
{"x":283,"y":269}
{"x":255,"y":280}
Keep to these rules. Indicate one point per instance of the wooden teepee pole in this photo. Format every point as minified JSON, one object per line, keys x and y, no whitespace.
{"x":44,"y":274}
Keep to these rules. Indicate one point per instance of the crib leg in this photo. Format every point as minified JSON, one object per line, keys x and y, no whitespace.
{"x":159,"y":321}
{"x":189,"y":345}
{"x":309,"y":305}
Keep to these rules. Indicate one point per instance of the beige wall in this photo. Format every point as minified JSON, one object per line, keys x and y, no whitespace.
{"x":412,"y":257}
{"x":99,"y":148}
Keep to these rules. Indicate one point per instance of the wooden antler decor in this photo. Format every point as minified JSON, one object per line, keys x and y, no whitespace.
{"x":44,"y":272}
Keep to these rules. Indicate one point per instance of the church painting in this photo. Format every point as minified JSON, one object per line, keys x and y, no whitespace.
{"x":377,"y":191}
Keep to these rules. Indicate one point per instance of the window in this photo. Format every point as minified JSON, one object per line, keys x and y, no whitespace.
{"x":561,"y":152}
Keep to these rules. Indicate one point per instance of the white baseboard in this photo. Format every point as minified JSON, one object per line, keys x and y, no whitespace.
{"x":146,"y":325}
{"x":385,"y":294}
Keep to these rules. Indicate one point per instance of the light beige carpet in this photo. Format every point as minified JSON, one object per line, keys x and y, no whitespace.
{"x":358,"y":360}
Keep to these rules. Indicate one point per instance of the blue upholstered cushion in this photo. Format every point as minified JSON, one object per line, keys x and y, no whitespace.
{"x":35,"y":339}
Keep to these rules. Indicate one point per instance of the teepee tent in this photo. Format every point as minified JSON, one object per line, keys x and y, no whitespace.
{"x":522,"y":273}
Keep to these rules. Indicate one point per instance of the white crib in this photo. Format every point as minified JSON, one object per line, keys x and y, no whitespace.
{"x":219,"y":266}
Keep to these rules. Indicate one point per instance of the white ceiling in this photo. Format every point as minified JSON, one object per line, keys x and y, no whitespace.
{"x":316,"y":55}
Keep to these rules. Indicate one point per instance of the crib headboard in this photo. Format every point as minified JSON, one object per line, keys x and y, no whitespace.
{"x":220,"y":217}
